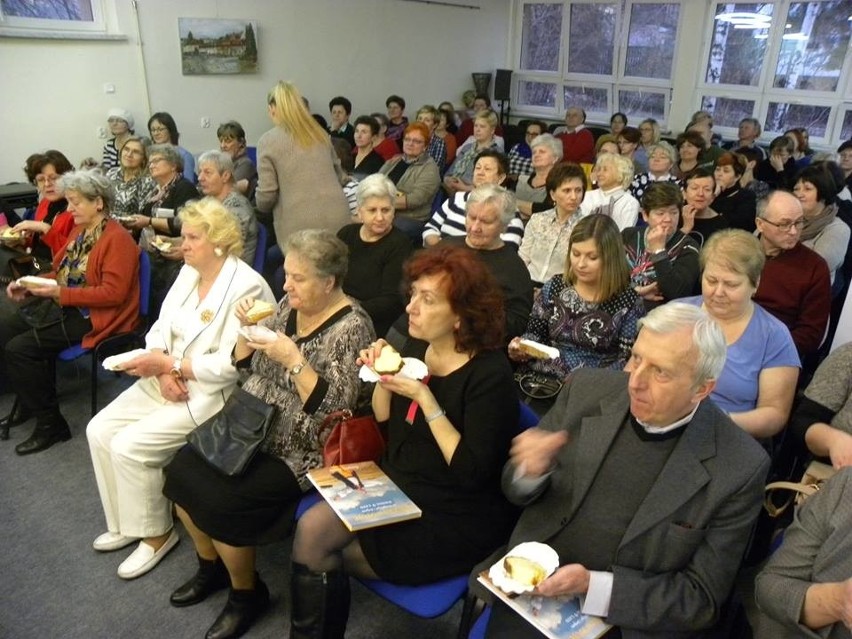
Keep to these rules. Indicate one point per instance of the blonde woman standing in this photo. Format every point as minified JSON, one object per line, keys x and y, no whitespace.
{"x":297,"y":169}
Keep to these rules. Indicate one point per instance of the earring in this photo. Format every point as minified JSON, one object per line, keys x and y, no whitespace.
{"x":218,"y":252}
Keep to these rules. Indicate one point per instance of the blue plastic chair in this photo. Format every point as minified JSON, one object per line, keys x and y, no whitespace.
{"x":260,"y":251}
{"x":481,"y":625}
{"x":433,"y":600}
{"x":120,"y":341}
{"x":251,"y":153}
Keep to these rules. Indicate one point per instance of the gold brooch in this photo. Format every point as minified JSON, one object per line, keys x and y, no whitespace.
{"x":207,"y":316}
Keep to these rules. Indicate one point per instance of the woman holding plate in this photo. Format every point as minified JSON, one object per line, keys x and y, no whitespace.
{"x":184,"y":379}
{"x":588,"y":313}
{"x":449,"y":436}
{"x":307,"y":372}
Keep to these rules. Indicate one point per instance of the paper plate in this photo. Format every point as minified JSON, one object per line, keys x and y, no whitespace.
{"x":33,"y":281}
{"x":553,"y":353}
{"x":412,"y":368}
{"x":542,"y":554}
{"x":258,"y":334}
{"x":115,"y":362}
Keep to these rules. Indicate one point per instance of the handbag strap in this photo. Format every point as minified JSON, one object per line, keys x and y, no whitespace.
{"x":331,"y":420}
{"x":796,"y":487}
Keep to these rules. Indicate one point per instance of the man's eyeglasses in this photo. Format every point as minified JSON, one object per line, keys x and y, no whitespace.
{"x":786,"y":226}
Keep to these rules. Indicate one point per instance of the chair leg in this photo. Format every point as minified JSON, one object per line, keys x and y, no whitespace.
{"x":94,"y":381}
{"x":473,"y":607}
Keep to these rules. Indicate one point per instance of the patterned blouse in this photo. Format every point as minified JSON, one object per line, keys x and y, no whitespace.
{"x":331,"y":351}
{"x":130,"y":195}
{"x":587,"y":334}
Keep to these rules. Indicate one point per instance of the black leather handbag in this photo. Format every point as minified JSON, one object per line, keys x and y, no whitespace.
{"x":231,"y":438}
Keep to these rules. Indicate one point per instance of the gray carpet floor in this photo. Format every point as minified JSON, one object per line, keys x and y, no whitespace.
{"x":53,"y":585}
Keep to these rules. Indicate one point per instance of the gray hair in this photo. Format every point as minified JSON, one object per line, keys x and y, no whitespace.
{"x":91,"y":184}
{"x":755,"y":123}
{"x":545,"y":139}
{"x":665,"y":147}
{"x":763,"y":203}
{"x":220,"y":160}
{"x":622,"y":164}
{"x":503,"y":199}
{"x":707,"y":336}
{"x":169,"y":152}
{"x":376,"y":185}
{"x":327,"y":254}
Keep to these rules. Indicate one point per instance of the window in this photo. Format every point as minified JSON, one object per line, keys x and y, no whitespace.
{"x":542,"y":32}
{"x":782,"y":62}
{"x":601,"y":55}
{"x":846,"y":126}
{"x":58,"y":19}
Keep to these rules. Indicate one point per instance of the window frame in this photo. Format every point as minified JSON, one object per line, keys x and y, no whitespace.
{"x":612,"y":83}
{"x":103,"y":25}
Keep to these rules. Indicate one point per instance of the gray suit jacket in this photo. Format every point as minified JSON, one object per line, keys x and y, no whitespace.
{"x":677,"y":560}
{"x":817,"y":548}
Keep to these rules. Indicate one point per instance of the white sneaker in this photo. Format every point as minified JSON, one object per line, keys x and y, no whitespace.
{"x":112,"y":541}
{"x":144,"y":558}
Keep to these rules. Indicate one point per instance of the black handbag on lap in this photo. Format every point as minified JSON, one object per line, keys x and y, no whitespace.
{"x":41,"y":312}
{"x":230,"y":439}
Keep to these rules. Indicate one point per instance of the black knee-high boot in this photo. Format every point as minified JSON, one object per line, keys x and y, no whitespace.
{"x":320,"y":603}
{"x":241,"y":610}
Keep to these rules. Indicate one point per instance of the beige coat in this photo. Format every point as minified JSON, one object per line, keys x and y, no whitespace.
{"x":300,"y":186}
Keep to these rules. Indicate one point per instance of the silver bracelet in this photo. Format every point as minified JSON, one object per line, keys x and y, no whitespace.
{"x":438,"y":413}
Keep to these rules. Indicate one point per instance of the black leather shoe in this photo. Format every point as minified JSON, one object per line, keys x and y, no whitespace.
{"x":241,"y":611}
{"x":44,"y":437}
{"x":211,"y":577}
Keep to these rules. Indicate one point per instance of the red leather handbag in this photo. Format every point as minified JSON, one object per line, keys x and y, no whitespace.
{"x":352,"y":439}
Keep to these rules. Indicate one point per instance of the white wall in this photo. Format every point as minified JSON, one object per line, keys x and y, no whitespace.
{"x":363,"y":49}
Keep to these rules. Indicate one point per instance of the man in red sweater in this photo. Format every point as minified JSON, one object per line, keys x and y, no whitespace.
{"x":794,"y":286}
{"x":578,"y":143}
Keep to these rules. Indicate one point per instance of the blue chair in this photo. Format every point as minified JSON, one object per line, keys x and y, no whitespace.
{"x":260,"y":251}
{"x":433,"y":600}
{"x":481,"y":625}
{"x":122,"y":341}
{"x":251,"y":153}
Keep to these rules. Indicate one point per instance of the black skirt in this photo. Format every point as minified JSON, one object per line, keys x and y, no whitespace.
{"x":251,"y":509}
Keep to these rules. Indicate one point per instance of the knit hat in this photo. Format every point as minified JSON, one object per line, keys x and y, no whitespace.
{"x":122,"y":114}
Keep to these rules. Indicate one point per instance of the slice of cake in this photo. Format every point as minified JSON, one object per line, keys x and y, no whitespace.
{"x":389,"y":361}
{"x":524,"y":571}
{"x":260,"y":310}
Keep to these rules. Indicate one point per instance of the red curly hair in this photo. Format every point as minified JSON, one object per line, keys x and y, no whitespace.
{"x":472,"y":291}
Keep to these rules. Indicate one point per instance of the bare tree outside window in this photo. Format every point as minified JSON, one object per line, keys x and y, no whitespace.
{"x":783,"y":115}
{"x":727,"y":111}
{"x":541,"y":37}
{"x":846,"y":127}
{"x":736,"y":51}
{"x":814,"y":45}
{"x":591,"y":39}
{"x":539,"y":94}
{"x":651,"y":40}
{"x":591,"y":99}
{"x":76,"y":10}
{"x":639,"y":105}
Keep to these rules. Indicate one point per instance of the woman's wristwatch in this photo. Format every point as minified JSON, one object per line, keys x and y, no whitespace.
{"x":176,"y":372}
{"x":298,"y":368}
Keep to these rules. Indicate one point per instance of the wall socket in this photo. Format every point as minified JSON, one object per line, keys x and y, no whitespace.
{"x":101,"y":132}
{"x":205,"y":123}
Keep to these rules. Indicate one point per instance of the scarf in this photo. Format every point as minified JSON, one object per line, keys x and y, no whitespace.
{"x":815,"y":225}
{"x":162,"y":192}
{"x":72,"y":268}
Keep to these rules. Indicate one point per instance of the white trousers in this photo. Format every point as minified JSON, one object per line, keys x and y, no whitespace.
{"x":131,"y":440}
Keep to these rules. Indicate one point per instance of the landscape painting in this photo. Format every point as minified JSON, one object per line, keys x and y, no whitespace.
{"x":211,"y":46}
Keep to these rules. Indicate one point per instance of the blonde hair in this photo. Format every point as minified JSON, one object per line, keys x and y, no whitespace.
{"x":291,"y":115}
{"x":218,"y":223}
{"x":736,"y":250}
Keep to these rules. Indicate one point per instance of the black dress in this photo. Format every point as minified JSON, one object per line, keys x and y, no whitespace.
{"x":465,"y":515}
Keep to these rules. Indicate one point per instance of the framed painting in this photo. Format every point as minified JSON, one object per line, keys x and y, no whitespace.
{"x":210,"y":46}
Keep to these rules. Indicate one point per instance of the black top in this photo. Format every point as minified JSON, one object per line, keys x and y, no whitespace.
{"x":182,"y":191}
{"x":765,"y":172}
{"x":738,"y":206}
{"x":371,"y":164}
{"x":703,"y":228}
{"x":375,"y":274}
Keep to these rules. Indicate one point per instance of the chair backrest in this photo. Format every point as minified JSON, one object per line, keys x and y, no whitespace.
{"x":251,"y":153}
{"x":528,"y":418}
{"x":260,"y":251}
